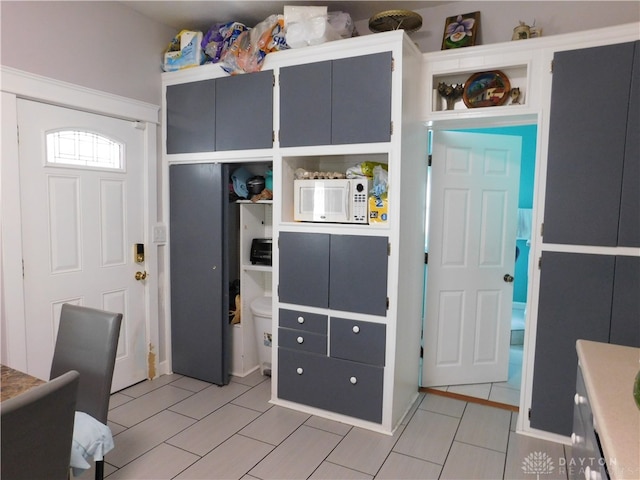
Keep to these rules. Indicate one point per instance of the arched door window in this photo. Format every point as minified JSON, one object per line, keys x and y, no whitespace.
{"x":82,"y":149}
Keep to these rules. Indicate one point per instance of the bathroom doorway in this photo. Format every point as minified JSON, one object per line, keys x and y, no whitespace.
{"x":508,"y":391}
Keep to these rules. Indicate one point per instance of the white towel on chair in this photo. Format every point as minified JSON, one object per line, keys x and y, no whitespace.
{"x":524,"y":224}
{"x":91,"y":441}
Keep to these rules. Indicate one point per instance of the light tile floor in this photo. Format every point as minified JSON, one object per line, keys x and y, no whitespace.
{"x":178,"y":427}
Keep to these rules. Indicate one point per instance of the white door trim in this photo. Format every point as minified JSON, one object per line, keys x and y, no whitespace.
{"x":18,"y":84}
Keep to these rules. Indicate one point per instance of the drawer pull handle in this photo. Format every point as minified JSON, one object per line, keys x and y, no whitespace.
{"x":353,"y":380}
{"x":300,"y":340}
{"x":356,"y":329}
{"x":576,"y":439}
{"x":299,"y":371}
{"x":300,"y":320}
{"x":579,"y":399}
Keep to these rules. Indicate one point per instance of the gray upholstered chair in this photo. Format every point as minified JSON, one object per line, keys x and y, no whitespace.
{"x":36,"y":430}
{"x":87,"y":341}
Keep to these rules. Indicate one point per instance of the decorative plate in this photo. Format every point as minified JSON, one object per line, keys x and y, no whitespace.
{"x":486,"y":89}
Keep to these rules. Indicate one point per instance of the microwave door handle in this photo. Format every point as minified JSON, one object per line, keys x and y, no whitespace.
{"x":347,"y":203}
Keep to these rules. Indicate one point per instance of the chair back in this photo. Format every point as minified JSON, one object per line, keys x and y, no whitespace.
{"x":87,"y":341}
{"x":37,"y":428}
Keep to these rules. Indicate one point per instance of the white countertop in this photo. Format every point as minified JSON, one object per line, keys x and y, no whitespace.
{"x":609,"y":372}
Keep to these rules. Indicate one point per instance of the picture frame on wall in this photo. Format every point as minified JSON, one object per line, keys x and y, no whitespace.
{"x":461,"y":30}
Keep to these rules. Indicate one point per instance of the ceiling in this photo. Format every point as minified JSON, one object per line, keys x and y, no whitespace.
{"x":200,"y":15}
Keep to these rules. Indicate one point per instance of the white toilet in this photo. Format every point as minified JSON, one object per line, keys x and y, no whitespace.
{"x":261,"y":312}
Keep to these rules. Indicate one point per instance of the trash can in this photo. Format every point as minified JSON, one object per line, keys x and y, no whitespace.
{"x":261,"y":313}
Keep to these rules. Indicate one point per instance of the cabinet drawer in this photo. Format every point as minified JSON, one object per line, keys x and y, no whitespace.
{"x":358,"y":341}
{"x":309,"y":322}
{"x":339,"y":386}
{"x":303,"y":341}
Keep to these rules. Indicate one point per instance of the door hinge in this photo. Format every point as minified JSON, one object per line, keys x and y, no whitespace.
{"x":391,"y":128}
{"x":273,"y":136}
{"x":388,"y":249}
{"x":22,"y":268}
{"x":421,"y":352}
{"x":529,"y":414}
{"x":540,"y":263}
{"x":429,"y":160}
{"x":387,"y":303}
{"x":426,"y":258}
{"x":551,"y":67}
{"x":393,"y":64}
{"x":542,"y":229}
{"x":274,"y":79}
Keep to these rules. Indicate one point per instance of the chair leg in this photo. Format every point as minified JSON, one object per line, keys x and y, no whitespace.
{"x":99,"y":469}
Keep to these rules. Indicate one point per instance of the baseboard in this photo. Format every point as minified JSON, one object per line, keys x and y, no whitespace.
{"x":466,"y":398}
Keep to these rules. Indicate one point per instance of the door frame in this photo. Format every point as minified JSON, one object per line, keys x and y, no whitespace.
{"x":19,"y":84}
{"x":530,"y":320}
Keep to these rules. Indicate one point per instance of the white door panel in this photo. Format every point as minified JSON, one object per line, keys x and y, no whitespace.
{"x":471,"y":248}
{"x":79,"y":227}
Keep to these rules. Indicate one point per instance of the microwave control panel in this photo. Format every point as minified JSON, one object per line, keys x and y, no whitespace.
{"x":360,"y":213}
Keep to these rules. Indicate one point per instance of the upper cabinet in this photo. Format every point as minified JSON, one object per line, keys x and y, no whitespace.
{"x":222,"y":114}
{"x":593,"y":193}
{"x":336,"y":101}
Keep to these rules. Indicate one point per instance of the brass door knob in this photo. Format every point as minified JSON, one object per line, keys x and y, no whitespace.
{"x":141,"y":275}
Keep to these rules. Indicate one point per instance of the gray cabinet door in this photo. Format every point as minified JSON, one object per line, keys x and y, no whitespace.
{"x":358,"y":274}
{"x":576,"y":291}
{"x":305,"y":105}
{"x":304,"y":269}
{"x":336,"y":102}
{"x":361,"y":99}
{"x":625,"y":311}
{"x":244,"y":111}
{"x":586,"y":145}
{"x":191,"y":120}
{"x":199,"y":271}
{"x":629,"y":234}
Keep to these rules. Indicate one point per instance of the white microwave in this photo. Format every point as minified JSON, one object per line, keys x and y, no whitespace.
{"x":331,"y":200}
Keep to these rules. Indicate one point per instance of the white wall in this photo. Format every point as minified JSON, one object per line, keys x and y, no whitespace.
{"x":497,"y":19}
{"x":107,"y":46}
{"x":101,"y":45}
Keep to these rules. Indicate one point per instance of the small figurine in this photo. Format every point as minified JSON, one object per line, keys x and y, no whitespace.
{"x":521,"y":32}
{"x":451,"y":93}
{"x":515,"y":96}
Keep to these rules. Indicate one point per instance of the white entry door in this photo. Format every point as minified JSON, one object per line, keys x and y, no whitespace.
{"x":82,"y":199}
{"x":472,"y":242}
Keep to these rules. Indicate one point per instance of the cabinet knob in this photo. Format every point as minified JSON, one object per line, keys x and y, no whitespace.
{"x":356,"y":329}
{"x":299,"y":371}
{"x":579,"y":399}
{"x":353,"y":380}
{"x":300,"y":340}
{"x":300,"y":319}
{"x":576,"y":439}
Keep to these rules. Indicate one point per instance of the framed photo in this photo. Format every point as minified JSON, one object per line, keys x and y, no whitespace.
{"x":461,"y":31}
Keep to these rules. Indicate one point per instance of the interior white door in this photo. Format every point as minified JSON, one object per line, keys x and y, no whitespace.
{"x":472,"y":240}
{"x":81,"y":217}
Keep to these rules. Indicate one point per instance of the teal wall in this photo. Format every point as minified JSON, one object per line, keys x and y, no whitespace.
{"x":528,"y":134}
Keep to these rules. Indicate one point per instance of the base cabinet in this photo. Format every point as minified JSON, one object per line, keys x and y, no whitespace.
{"x":586,"y":458}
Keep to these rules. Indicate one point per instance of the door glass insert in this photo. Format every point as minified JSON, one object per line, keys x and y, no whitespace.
{"x":79,"y":148}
